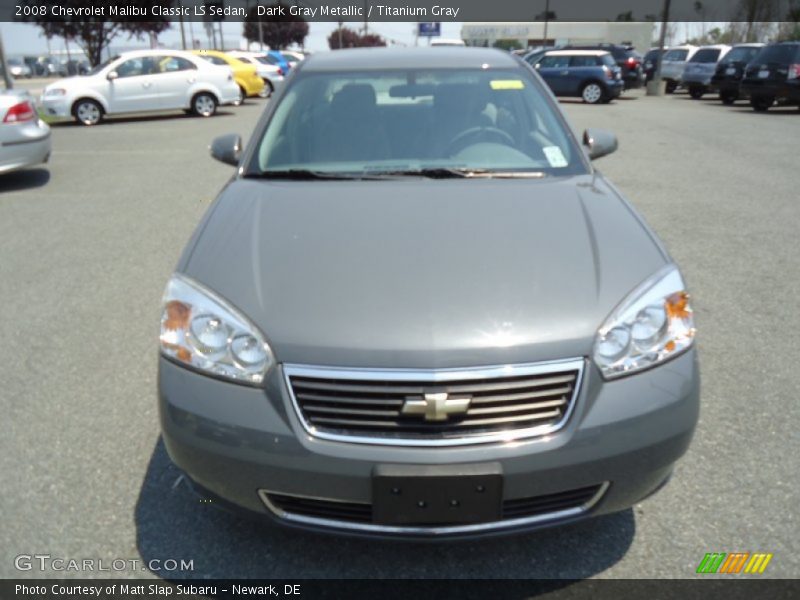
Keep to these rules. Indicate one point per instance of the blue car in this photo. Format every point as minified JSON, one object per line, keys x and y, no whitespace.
{"x":277,"y":59}
{"x":589,"y":74}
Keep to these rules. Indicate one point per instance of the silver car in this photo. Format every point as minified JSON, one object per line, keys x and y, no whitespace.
{"x":673,"y":63}
{"x":417,"y":310}
{"x":24,"y":137}
{"x":700,"y":69}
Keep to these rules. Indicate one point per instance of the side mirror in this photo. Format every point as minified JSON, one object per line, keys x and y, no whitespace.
{"x":112,"y":75}
{"x":227,"y":148}
{"x":599,"y":142}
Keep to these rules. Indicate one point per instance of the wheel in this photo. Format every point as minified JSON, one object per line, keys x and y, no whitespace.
{"x":696,"y":92}
{"x":761,"y":103}
{"x":728,"y":97}
{"x":242,"y":95}
{"x":204,"y":104}
{"x":592,"y":93}
{"x":671,"y":87}
{"x":87,"y":112}
{"x":267,"y":90}
{"x":473,"y":135}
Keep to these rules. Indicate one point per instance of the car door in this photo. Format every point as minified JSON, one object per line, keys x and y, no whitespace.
{"x":176,"y":75}
{"x":135,"y":87}
{"x":555,"y":71}
{"x":581,"y":69}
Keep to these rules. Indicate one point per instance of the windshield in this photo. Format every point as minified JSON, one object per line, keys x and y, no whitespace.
{"x":396,"y":121}
{"x":103,"y":65}
{"x":705,"y":55}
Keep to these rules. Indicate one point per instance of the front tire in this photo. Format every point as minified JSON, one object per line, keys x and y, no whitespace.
{"x":242,"y":95}
{"x":761,"y":104}
{"x":728,"y":98}
{"x":592,"y":93}
{"x":204,"y":104}
{"x":87,"y":112}
{"x":671,"y":87}
{"x":268,"y":89}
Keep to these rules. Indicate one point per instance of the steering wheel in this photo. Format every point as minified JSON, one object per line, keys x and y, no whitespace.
{"x":475,"y":134}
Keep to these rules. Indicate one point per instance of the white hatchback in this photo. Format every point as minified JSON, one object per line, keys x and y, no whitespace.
{"x":142,"y":81}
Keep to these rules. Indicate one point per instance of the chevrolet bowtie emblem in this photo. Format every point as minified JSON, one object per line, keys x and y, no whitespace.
{"x":436,"y":407}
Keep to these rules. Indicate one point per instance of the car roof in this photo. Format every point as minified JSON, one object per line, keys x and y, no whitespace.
{"x":748,"y":45}
{"x":441,"y":57}
{"x":154,"y":52}
{"x":576,"y":52}
{"x":715,"y":47}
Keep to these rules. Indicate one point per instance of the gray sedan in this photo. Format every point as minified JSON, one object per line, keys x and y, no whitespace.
{"x":24,"y":137}
{"x":418,"y":310}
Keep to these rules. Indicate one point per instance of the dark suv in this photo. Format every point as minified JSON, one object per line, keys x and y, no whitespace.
{"x":773,"y":75}
{"x":627,"y":59}
{"x":730,"y":71}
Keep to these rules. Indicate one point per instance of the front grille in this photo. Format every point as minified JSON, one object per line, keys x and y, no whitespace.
{"x":361,"y":513}
{"x":368,"y":406}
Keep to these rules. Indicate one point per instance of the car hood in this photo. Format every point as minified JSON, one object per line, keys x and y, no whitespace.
{"x":76,"y":81}
{"x":423,"y":273}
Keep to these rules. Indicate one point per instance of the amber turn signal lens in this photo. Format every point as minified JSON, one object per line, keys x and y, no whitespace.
{"x":677,"y":306}
{"x":177,"y":315}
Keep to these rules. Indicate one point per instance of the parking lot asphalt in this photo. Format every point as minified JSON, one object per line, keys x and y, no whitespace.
{"x":89,"y":241}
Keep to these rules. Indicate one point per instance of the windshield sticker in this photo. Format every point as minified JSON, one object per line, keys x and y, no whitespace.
{"x":507,"y":84}
{"x":554,"y":156}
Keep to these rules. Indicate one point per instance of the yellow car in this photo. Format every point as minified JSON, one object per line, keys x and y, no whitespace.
{"x":245,"y":75}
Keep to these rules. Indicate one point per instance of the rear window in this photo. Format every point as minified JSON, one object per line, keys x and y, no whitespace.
{"x":608,"y":60}
{"x":781,"y":53}
{"x":706,"y":55}
{"x":678,"y":55}
{"x":741,"y":54}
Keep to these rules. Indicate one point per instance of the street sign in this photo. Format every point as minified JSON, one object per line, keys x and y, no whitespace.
{"x":429,"y":29}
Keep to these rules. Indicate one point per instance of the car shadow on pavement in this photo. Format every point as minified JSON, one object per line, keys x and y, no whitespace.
{"x":142,"y":118}
{"x":23,"y":180}
{"x":173,"y":523}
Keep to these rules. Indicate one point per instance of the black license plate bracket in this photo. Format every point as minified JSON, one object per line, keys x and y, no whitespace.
{"x":437,"y":495}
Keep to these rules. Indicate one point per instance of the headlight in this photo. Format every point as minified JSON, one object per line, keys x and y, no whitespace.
{"x":201,"y":330}
{"x":654,"y":323}
{"x":55,"y":92}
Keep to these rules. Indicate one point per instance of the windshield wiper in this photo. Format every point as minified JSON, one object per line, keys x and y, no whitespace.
{"x":456,"y":173}
{"x":307,"y":174}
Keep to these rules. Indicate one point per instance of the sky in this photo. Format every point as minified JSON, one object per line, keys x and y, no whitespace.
{"x":22,"y":38}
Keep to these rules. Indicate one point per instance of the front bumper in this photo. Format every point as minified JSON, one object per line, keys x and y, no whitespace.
{"x":238,"y":442}
{"x":56,"y":106}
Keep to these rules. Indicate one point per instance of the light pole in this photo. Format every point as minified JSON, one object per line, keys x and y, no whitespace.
{"x":654,"y":88}
{"x":6,"y":76}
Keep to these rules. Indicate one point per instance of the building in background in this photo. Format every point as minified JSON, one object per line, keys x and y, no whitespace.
{"x":638,"y":34}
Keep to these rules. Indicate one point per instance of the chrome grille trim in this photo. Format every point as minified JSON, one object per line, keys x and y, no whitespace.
{"x":568,"y":371}
{"x":436,"y":530}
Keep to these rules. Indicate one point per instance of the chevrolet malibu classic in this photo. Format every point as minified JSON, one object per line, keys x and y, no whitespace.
{"x":417,"y":310}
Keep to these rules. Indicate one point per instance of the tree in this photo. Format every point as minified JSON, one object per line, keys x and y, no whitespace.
{"x":94,"y":33}
{"x":507,"y":44}
{"x":755,"y":11}
{"x":352,"y":39}
{"x":276,"y":31}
